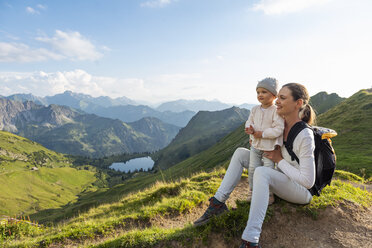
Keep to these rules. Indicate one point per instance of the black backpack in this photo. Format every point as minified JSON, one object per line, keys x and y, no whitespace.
{"x":325,"y":157}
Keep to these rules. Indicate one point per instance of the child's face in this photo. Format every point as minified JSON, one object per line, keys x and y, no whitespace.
{"x":265,"y":97}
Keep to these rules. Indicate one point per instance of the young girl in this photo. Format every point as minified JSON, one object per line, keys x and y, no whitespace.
{"x":265,"y":127}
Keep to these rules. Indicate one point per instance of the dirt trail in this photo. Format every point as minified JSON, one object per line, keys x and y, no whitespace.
{"x":345,"y":226}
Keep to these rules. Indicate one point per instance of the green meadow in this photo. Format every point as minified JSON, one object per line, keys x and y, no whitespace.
{"x":33,"y":178}
{"x":71,"y":210}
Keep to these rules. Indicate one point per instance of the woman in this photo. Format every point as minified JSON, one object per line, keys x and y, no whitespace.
{"x":290,"y":181}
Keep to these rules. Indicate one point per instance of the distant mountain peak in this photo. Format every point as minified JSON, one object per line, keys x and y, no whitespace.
{"x":192,"y":105}
{"x":323,"y":101}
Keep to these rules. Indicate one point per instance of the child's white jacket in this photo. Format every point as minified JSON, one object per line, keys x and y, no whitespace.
{"x":271,"y":125}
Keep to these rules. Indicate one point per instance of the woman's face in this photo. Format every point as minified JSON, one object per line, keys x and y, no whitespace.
{"x":285,"y":104}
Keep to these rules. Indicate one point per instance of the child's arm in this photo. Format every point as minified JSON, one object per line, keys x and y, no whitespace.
{"x":250,"y":121}
{"x":249,"y":124}
{"x":276,"y":130}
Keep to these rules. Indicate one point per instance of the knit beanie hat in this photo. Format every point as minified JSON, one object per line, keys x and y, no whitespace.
{"x":271,"y":84}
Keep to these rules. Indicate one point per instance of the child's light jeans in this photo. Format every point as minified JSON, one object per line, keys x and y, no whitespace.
{"x":257,"y":159}
{"x":264,"y":179}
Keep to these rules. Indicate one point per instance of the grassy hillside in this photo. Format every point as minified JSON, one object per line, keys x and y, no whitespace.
{"x":322,"y":101}
{"x":348,"y":157}
{"x":52,"y":184}
{"x":136,"y":213}
{"x":214,"y":157}
{"x":203,"y":131}
{"x":159,"y":217}
{"x":352,"y":120}
{"x":146,"y":210}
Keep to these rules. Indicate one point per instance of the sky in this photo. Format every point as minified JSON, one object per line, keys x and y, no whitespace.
{"x":163,"y":50}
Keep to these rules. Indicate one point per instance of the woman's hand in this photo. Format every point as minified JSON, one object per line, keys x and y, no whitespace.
{"x":275,"y":155}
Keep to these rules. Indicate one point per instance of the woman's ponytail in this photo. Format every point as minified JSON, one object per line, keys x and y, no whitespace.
{"x":307,"y":114}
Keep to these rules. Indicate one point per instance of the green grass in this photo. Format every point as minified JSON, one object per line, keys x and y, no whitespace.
{"x":11,"y":228}
{"x":128,"y":208}
{"x":208,"y":160}
{"x":54,"y":184}
{"x":203,"y":131}
{"x":160,"y":199}
{"x":352,"y":120}
{"x":42,"y":189}
{"x":133,"y":212}
{"x":349,"y":176}
{"x":231,"y":225}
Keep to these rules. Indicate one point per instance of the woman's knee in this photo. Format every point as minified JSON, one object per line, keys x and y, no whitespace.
{"x":242,"y":155}
{"x":241,"y":150}
{"x":261,"y":172}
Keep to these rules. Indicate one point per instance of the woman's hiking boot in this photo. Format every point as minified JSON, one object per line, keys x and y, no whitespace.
{"x":215,"y":208}
{"x":246,"y":244}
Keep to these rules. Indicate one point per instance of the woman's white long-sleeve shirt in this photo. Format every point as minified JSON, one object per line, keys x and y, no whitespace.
{"x":304,"y":171}
{"x":271,"y":125}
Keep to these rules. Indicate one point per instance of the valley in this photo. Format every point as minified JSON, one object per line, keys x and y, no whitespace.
{"x":90,"y":206}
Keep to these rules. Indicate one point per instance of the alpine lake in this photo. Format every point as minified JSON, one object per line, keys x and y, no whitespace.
{"x":144,"y":163}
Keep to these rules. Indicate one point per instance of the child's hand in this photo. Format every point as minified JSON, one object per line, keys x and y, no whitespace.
{"x":257,"y":134}
{"x":249,"y":130}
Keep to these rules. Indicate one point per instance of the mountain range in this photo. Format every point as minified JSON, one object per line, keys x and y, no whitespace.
{"x":204,"y":130}
{"x":219,"y":154}
{"x":155,"y":209}
{"x":352,"y":120}
{"x":207,"y":128}
{"x":72,"y":131}
{"x":323,"y":101}
{"x":197,"y":105}
{"x":174,"y":112}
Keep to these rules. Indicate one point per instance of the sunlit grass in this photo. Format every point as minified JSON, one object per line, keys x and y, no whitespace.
{"x":130,"y":216}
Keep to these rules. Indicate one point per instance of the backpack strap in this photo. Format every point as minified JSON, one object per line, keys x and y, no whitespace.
{"x":295,"y":130}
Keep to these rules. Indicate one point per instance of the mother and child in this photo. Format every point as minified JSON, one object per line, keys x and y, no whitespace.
{"x":268,"y":126}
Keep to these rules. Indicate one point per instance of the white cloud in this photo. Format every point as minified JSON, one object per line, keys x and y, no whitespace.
{"x":72,"y":45}
{"x":154,"y":89}
{"x":272,"y":7}
{"x":157,"y":3}
{"x":8,"y":35}
{"x":32,"y":11}
{"x":50,"y":83}
{"x":212,"y":60}
{"x":19,"y":52}
{"x":43,"y":7}
{"x":63,"y":45}
{"x":219,"y":57}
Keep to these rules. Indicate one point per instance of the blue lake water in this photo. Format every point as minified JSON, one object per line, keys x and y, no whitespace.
{"x":146,"y":163}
